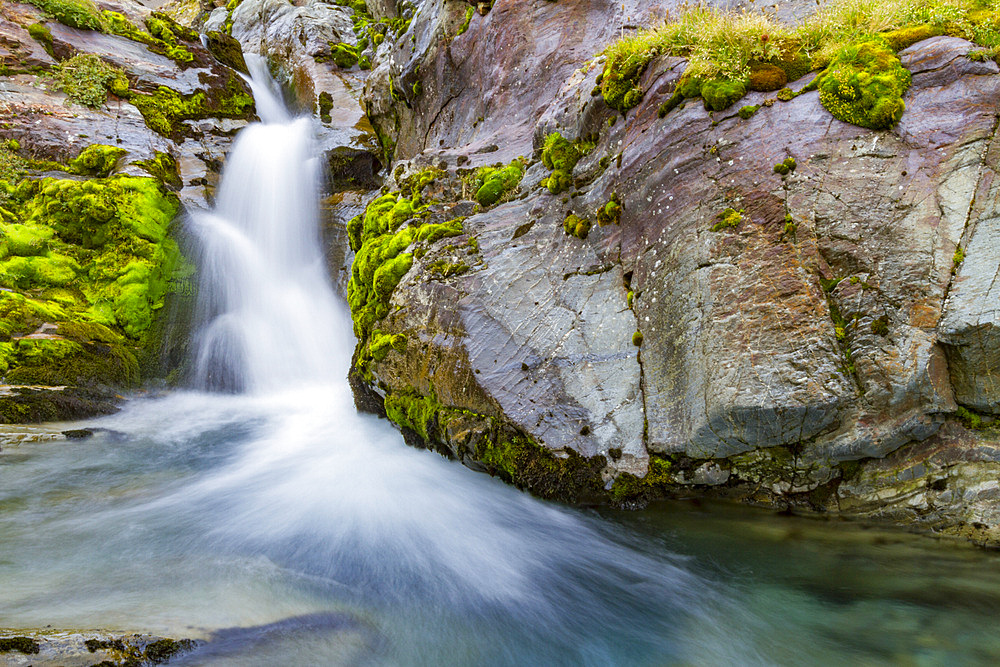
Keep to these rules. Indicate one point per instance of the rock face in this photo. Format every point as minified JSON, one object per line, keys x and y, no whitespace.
{"x":795,"y":338}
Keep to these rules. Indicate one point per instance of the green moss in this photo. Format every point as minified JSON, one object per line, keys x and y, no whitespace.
{"x":901,"y":38}
{"x":41,"y":34}
{"x":381,"y":344}
{"x":628,"y":488}
{"x":12,"y":167}
{"x":23,"y":240}
{"x":880,"y":326}
{"x":611,"y":212}
{"x":576,"y":226}
{"x":494,"y":183}
{"x":957,"y":259}
{"x":226,"y":50}
{"x":786,"y":94}
{"x":162,"y":166}
{"x":748,"y":111}
{"x":559,"y":153}
{"x":324,"y":102}
{"x":25,"y":645}
{"x":727,"y":219}
{"x":469,"y":11}
{"x":521,"y":462}
{"x":165,"y":109}
{"x":721,"y":94}
{"x":74,"y":13}
{"x":96,"y":160}
{"x":87,"y":79}
{"x":558,"y":181}
{"x":637,"y":338}
{"x":443,"y":268}
{"x":414,"y":412}
{"x":105,"y":237}
{"x":864,"y":85}
{"x":626,"y":60}
{"x":785,"y":167}
{"x":344,"y":55}
{"x":968,"y":418}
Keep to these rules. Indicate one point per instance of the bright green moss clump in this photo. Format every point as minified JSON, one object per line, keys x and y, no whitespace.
{"x":41,"y":34}
{"x":728,"y":219}
{"x":343,"y":54}
{"x":576,"y":226}
{"x":626,"y":61}
{"x":96,"y":160}
{"x":74,"y":13}
{"x":721,"y":94}
{"x":491,"y":184}
{"x":864,"y":86}
{"x":560,"y":155}
{"x":611,"y":212}
{"x":87,"y":79}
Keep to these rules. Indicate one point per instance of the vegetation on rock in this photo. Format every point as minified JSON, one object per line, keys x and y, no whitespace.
{"x":87,"y":79}
{"x":853,"y":41}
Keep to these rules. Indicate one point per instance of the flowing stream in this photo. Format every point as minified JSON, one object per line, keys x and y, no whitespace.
{"x":261,"y":514}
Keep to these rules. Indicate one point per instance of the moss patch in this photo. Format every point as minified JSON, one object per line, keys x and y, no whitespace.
{"x":576,"y":226}
{"x":629,"y":489}
{"x":81,"y":14}
{"x":87,"y":80}
{"x":165,"y":108}
{"x":85,"y":271}
{"x":491,"y":184}
{"x":727,"y":219}
{"x":25,"y":645}
{"x":864,"y":86}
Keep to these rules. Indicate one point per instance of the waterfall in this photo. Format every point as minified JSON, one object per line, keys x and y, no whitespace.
{"x":268,"y":312}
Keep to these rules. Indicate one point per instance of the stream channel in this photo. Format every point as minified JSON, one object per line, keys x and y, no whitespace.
{"x":280,"y":527}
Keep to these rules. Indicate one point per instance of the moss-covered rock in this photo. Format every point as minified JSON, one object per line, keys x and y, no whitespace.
{"x":81,"y":14}
{"x":96,"y":160}
{"x":491,"y":184}
{"x":164,"y":109}
{"x":87,"y":79}
{"x":864,"y":85}
{"x":576,"y":226}
{"x":85,"y":272}
{"x":227,"y":50}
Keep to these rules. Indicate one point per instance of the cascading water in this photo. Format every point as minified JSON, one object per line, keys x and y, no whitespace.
{"x":280,"y":527}
{"x":270,"y":315}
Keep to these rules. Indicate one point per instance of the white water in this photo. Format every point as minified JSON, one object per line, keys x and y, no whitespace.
{"x":203,"y":511}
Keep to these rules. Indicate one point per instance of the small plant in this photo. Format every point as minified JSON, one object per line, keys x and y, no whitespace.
{"x":748,"y":111}
{"x":86,"y":79}
{"x":611,"y":212}
{"x":637,"y":338}
{"x":491,"y":184}
{"x":727,"y":219}
{"x":880,"y":326}
{"x":957,"y":259}
{"x":785,"y":167}
{"x":576,"y":226}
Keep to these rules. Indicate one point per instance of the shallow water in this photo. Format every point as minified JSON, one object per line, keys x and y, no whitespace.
{"x":199,"y":514}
